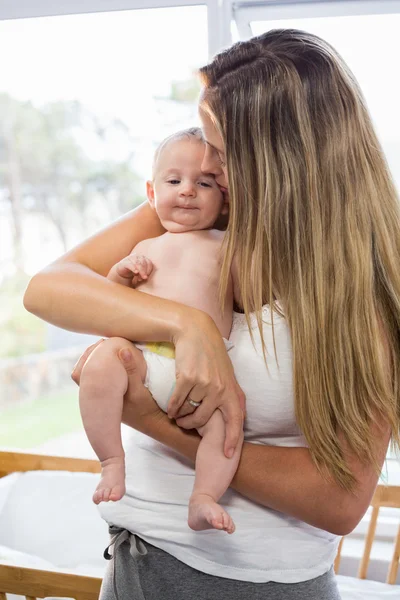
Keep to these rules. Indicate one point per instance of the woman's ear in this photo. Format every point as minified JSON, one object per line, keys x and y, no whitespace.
{"x":225,"y":208}
{"x":222,"y":222}
{"x":150,"y":193}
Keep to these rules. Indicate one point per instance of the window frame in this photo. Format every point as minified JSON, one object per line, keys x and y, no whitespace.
{"x":21,"y":9}
{"x":247,"y":11}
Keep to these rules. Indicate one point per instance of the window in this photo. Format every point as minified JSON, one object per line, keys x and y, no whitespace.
{"x":84,"y":100}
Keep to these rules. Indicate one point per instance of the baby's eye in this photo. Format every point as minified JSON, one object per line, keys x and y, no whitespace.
{"x":174,"y":181}
{"x":205,"y":184}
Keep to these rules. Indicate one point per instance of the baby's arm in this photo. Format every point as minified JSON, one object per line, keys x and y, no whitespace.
{"x":131,"y":270}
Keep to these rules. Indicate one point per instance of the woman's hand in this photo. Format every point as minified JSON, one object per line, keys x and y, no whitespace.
{"x":140,"y":410}
{"x":205,"y":374}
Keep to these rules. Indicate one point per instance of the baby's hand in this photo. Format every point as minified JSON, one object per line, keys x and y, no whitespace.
{"x":132,"y":270}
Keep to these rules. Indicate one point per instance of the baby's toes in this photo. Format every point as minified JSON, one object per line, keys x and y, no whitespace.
{"x":225,"y":520}
{"x":105,"y":494}
{"x":218,"y":522}
{"x":97,"y":496}
{"x":116,"y":493}
{"x":229,"y":526}
{"x":101,"y":495}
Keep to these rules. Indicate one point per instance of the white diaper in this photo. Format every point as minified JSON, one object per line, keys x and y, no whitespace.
{"x":160,"y":376}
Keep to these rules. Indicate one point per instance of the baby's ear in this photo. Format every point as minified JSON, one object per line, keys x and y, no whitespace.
{"x":150,"y":193}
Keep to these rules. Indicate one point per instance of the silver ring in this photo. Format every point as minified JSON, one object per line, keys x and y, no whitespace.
{"x":193,"y":403}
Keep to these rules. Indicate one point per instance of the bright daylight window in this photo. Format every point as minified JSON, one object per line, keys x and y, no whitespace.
{"x":84,"y":100}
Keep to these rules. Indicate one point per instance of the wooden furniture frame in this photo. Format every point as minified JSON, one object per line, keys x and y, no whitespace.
{"x":388,"y":496}
{"x":36,"y":583}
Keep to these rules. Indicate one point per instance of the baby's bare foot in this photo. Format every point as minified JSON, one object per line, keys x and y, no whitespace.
{"x":205,"y":513}
{"x":112,"y":482}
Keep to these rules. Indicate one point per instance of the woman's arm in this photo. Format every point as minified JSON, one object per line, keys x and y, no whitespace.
{"x":281,"y":478}
{"x":74,"y":293}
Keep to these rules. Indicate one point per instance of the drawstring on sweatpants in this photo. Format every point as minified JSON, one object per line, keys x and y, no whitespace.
{"x":119,"y":536}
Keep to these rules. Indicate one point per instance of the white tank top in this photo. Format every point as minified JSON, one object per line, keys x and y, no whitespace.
{"x":267,"y":545}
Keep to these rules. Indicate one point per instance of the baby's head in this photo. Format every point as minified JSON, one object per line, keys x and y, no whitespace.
{"x":185,"y":198}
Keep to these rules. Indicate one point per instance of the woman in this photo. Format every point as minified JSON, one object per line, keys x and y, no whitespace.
{"x":315,"y":226}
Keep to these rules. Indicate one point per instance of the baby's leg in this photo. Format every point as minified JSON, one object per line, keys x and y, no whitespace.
{"x":214,"y":472}
{"x":101,"y":393}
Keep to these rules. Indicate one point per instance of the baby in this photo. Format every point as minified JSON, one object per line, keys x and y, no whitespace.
{"x":183,"y":265}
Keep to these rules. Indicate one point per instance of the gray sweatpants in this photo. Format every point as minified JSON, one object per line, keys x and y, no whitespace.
{"x":140,"y":571}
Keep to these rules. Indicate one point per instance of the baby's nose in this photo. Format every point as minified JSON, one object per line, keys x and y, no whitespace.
{"x":187,"y":189}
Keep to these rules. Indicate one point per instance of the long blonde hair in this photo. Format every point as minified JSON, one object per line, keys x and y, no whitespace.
{"x":315,"y":228}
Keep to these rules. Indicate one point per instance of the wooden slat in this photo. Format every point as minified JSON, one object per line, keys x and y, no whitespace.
{"x":3,"y":596}
{"x":363,"y":569}
{"x":338,"y":556}
{"x":394,"y":565}
{"x":30,"y":598}
{"x":17,"y":461}
{"x":387,"y":495}
{"x":384,"y":496}
{"x":35,"y":583}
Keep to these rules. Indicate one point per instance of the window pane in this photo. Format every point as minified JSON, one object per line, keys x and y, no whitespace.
{"x":84,"y":100}
{"x":369,"y":44}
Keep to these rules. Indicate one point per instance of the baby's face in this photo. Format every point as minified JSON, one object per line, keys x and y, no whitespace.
{"x":185,"y":198}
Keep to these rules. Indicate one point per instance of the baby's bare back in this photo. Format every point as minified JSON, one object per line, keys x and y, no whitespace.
{"x":187,"y":269}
